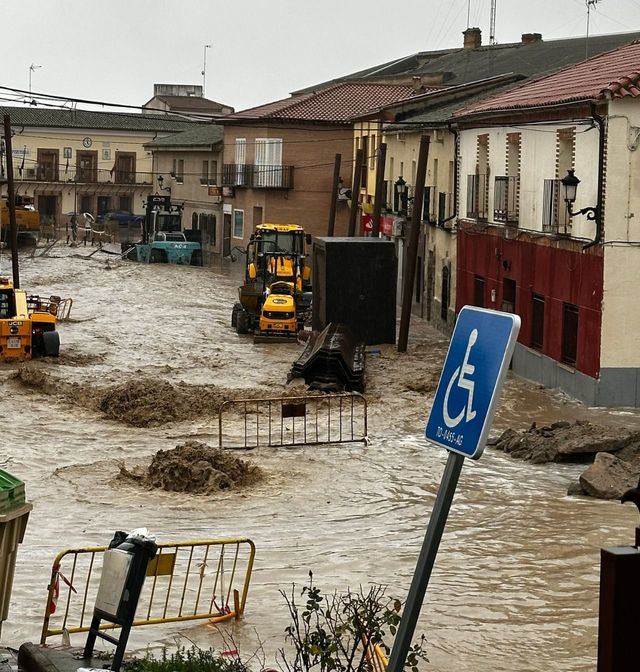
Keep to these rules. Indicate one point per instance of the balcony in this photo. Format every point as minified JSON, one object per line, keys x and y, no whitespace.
{"x":48,"y":173}
{"x":445,"y":210}
{"x":555,"y":218}
{"x":244,"y":175}
{"x":477,"y":197}
{"x":506,"y":199}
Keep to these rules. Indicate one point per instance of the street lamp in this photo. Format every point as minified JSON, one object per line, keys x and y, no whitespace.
{"x":570,"y":183}
{"x":401,"y":189}
{"x":161,"y":182}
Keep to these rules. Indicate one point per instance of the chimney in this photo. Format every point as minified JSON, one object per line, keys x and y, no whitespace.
{"x":531,"y":38}
{"x":416,"y":83}
{"x":472,"y":38}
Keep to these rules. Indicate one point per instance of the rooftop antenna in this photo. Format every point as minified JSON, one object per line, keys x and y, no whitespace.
{"x":468,"y":14}
{"x":204,"y":70}
{"x":590,"y":4}
{"x":32,"y":68}
{"x":492,"y":23}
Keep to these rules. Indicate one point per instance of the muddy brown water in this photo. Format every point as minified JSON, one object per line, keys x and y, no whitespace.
{"x":515,"y":585}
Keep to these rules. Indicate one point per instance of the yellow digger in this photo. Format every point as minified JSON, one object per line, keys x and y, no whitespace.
{"x":275,"y":297}
{"x":27,"y":324}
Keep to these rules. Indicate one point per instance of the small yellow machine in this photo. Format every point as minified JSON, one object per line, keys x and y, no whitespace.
{"x":275,"y":295}
{"x":27,"y":220}
{"x":27,"y":324}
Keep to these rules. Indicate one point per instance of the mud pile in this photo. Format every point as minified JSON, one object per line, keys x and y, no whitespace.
{"x":195,"y":468}
{"x":143,"y":402}
{"x":615,"y":454}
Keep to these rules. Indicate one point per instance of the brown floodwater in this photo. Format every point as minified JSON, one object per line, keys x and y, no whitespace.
{"x":515,"y":585}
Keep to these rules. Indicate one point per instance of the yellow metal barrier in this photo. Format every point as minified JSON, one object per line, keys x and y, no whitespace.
{"x":186,"y":581}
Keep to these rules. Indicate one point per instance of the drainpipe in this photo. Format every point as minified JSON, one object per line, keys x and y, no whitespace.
{"x":456,"y":140}
{"x":601,"y":146}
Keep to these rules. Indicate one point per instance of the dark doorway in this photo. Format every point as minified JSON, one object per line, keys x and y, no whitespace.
{"x":48,"y":208}
{"x":104,"y":204}
{"x":509,"y":295}
{"x":478,"y":291}
{"x":444,"y":305}
{"x":226,"y":234}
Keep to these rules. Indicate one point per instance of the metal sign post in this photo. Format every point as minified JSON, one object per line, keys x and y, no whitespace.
{"x":461,"y":416}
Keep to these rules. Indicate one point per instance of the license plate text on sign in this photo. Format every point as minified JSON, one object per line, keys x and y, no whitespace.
{"x":13,"y":343}
{"x":472,"y":376}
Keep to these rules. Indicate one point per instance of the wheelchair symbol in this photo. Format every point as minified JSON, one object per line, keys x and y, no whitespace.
{"x":463,"y":381}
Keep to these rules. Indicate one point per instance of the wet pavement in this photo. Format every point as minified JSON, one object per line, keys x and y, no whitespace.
{"x":515,"y":585}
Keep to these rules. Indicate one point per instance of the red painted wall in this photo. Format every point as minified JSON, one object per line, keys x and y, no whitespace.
{"x":560,"y":275}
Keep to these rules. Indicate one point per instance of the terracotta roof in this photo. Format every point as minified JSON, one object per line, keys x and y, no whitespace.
{"x":191,"y":103}
{"x":614,"y":74}
{"x":338,"y":103}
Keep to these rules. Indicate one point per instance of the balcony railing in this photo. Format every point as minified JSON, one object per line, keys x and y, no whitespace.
{"x":47,"y":173}
{"x":555,"y":218}
{"x":506,"y":199}
{"x":257,"y":177}
{"x":445,"y":209}
{"x":477,"y":197}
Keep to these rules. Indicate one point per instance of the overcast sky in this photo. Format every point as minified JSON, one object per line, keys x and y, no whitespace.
{"x":261,"y":49}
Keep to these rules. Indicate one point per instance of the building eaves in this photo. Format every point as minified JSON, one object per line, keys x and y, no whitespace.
{"x":206,"y":137}
{"x":34,"y":117}
{"x":337,"y":104}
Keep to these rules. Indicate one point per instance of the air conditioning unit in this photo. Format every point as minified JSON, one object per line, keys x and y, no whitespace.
{"x":31,"y":173}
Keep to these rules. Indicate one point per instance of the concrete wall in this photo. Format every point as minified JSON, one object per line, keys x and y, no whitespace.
{"x":621,"y":317}
{"x":538,"y":163}
{"x":192,"y":193}
{"x":311,"y":151}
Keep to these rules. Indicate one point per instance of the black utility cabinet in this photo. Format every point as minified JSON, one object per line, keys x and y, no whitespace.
{"x":354,"y":283}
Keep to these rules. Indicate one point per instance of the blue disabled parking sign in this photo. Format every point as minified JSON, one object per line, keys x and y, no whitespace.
{"x":471,"y":381}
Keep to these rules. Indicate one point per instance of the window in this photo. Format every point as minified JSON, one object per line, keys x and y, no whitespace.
{"x":569,"y":333}
{"x":194,"y":221}
{"x":477,"y":196}
{"x":125,"y":168}
{"x":86,"y":203}
{"x":426,"y":204}
{"x":365,"y":162}
{"x":444,"y":303}
{"x":48,"y":165}
{"x":238,"y":224}
{"x":268,"y":162}
{"x":86,"y":166}
{"x":204,"y":177}
{"x":537,"y":322}
{"x":241,"y":158}
{"x":213,"y":172}
{"x":506,"y":199}
{"x":478,"y":291}
{"x":178,"y":170}
{"x":124,"y":203}
{"x":555,"y":217}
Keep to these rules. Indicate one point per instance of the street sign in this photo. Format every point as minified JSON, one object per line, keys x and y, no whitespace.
{"x":471,"y":381}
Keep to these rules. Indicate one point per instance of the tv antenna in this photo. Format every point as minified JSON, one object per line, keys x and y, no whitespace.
{"x":492,"y":23}
{"x":590,"y":4}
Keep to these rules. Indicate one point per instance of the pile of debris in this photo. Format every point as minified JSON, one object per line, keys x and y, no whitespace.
{"x":195,"y":468}
{"x":332,"y":361}
{"x":613,"y":451}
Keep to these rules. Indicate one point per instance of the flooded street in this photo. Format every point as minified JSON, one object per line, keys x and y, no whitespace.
{"x":515,"y":585}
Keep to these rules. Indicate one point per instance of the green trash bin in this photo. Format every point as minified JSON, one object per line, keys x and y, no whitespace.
{"x":14,"y":514}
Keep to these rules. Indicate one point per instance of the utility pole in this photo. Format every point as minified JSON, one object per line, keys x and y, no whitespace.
{"x":377,"y":201}
{"x":334,"y":195}
{"x":13,"y":228}
{"x":355,"y":192}
{"x":409,"y":268}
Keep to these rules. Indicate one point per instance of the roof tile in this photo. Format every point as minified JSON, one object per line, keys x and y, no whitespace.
{"x":614,"y":74}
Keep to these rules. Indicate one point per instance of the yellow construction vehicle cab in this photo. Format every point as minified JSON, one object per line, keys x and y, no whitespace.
{"x":27,"y":324}
{"x":276,"y":294}
{"x":27,"y":221}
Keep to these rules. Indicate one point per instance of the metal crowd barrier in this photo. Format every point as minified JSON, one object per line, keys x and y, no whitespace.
{"x":245,"y":424}
{"x":186,"y":581}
